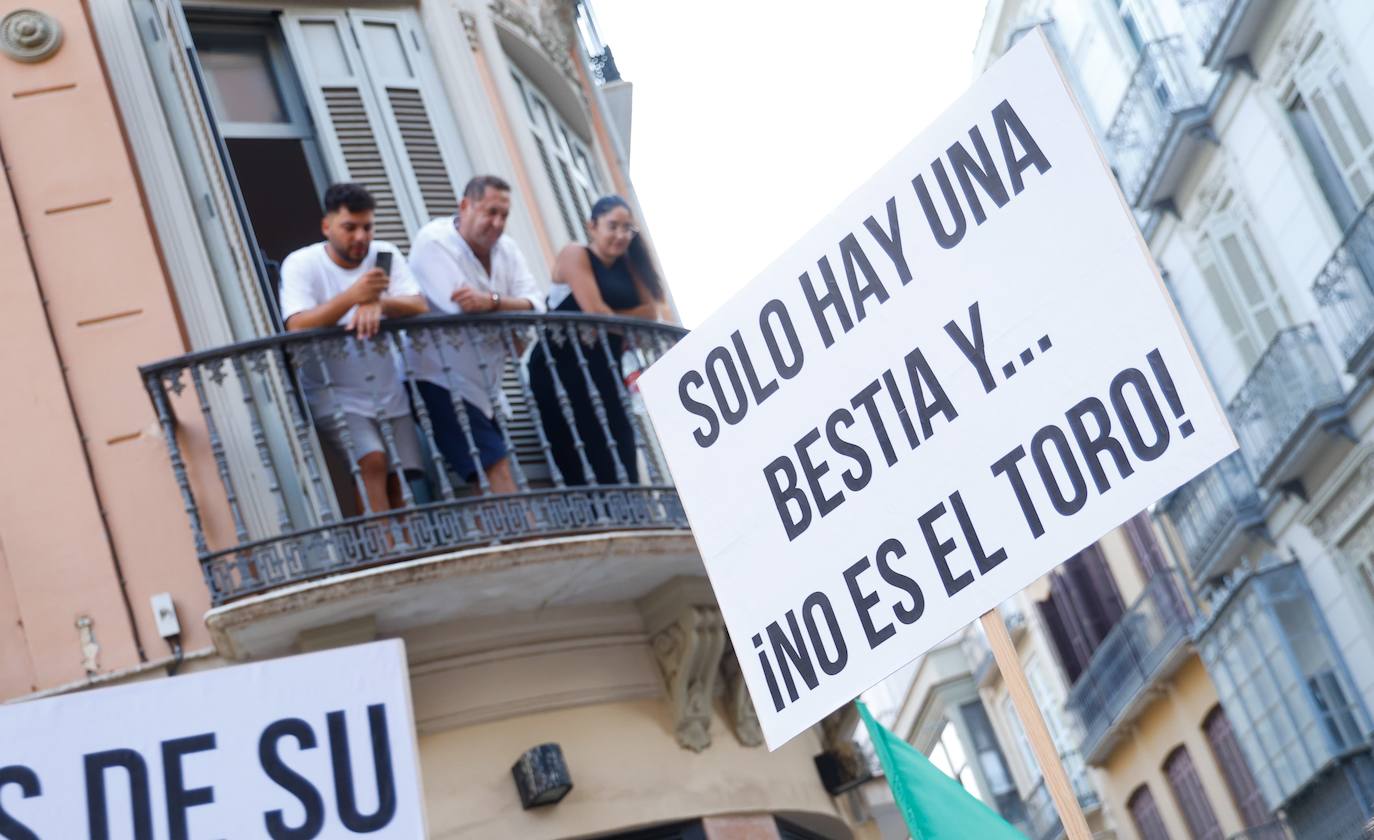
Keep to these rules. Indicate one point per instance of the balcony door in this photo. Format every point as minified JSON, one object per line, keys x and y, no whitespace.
{"x":264,"y":108}
{"x":566,"y":160}
{"x":1334,"y":92}
{"x":260,"y":111}
{"x":1239,"y":281}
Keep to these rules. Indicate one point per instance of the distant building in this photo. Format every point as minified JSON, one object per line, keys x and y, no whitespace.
{"x":1231,"y":696}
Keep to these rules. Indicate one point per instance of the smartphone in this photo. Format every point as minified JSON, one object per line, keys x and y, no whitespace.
{"x":384,"y":262}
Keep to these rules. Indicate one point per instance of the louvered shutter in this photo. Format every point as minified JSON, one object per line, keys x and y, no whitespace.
{"x":557,"y":193}
{"x":523,"y":434}
{"x":348,"y":117}
{"x":1335,"y":96}
{"x":219,"y":292}
{"x":432,"y":166}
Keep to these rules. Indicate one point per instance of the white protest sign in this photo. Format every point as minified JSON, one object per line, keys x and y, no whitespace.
{"x":321,"y":745}
{"x":965,"y":374}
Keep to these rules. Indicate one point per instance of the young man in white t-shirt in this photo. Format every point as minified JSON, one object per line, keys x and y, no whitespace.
{"x":466,"y":263}
{"x":338,"y":281}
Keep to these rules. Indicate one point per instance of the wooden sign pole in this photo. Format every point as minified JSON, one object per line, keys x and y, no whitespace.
{"x":1056,"y":780}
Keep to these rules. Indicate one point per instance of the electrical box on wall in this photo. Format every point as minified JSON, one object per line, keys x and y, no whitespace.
{"x":165,"y":613}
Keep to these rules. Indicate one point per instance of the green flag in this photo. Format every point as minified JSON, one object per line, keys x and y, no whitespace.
{"x":934,"y":806}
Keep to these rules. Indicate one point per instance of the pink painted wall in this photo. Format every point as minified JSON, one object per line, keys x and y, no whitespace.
{"x":87,"y":302}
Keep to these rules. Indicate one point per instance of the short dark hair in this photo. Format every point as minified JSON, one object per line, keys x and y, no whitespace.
{"x":478,"y":186}
{"x":353,"y":196}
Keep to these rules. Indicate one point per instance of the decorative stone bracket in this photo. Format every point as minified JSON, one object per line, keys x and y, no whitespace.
{"x":739,"y":708}
{"x":689,"y":652}
{"x":692,"y":649}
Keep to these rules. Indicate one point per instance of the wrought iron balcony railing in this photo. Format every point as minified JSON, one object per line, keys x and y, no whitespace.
{"x":269,"y":505}
{"x":1205,"y":19}
{"x":1209,"y":509}
{"x":1041,"y":816}
{"x":1292,"y":381}
{"x":1129,"y":659}
{"x":1166,"y":82}
{"x":1226,"y":29}
{"x":1344,"y":290}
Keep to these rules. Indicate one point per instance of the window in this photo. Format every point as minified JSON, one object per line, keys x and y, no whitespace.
{"x":1239,"y":282}
{"x":1249,"y":801}
{"x":1084,"y":605}
{"x":949,"y":755}
{"x":566,"y":161}
{"x":1145,"y":815}
{"x":1332,"y":93}
{"x":1148,"y":555}
{"x":1051,"y":705}
{"x":260,"y":111}
{"x":1018,"y":734}
{"x":992,"y":762}
{"x":1191,"y":798}
{"x":1288,"y":697}
{"x":382,"y":117}
{"x":297,"y":100}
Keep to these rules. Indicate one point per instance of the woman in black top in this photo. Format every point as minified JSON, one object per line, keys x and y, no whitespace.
{"x":611,"y":275}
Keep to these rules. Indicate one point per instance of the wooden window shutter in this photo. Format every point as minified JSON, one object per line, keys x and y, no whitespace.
{"x":349,"y":122}
{"x":432,"y":167}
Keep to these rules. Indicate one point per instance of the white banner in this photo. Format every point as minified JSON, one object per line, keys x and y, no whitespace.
{"x":965,"y":374}
{"x":321,"y":745}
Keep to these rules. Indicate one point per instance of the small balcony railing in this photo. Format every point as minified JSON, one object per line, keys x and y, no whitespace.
{"x":1129,"y":659}
{"x":269,"y":505}
{"x":1165,"y":83}
{"x":1205,"y":19}
{"x":1226,"y":29}
{"x":1289,"y":385}
{"x":1041,"y":816}
{"x":1210,"y":508}
{"x":1343,"y":290}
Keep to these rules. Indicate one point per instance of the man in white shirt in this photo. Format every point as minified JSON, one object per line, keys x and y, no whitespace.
{"x":358,"y":400}
{"x":466,"y":263}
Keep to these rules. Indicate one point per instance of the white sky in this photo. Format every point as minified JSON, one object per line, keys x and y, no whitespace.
{"x":753,"y":118}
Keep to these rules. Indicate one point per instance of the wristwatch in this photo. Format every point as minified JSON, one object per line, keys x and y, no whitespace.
{"x":495,"y":301}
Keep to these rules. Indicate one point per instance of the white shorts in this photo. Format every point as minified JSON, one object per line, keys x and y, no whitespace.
{"x":365,"y":436}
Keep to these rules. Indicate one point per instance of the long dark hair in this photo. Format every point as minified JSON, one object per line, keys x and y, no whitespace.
{"x":637,"y":255}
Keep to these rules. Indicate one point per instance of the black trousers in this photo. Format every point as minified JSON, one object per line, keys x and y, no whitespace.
{"x":552,"y":358}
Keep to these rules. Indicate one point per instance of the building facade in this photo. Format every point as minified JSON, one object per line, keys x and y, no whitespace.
{"x":1235,"y":698}
{"x":1104,"y":644}
{"x":161,"y":158}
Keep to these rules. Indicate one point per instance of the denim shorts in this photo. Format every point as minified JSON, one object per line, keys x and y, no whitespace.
{"x":448,"y":433}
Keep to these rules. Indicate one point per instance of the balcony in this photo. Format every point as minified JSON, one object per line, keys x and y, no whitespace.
{"x":1291,"y":397}
{"x":1145,"y":646}
{"x":1225,"y":29}
{"x":1286,"y":690}
{"x":273,"y":511}
{"x":1343,"y":292}
{"x":1042,"y":818}
{"x":1161,"y":123}
{"x":1213,"y":511}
